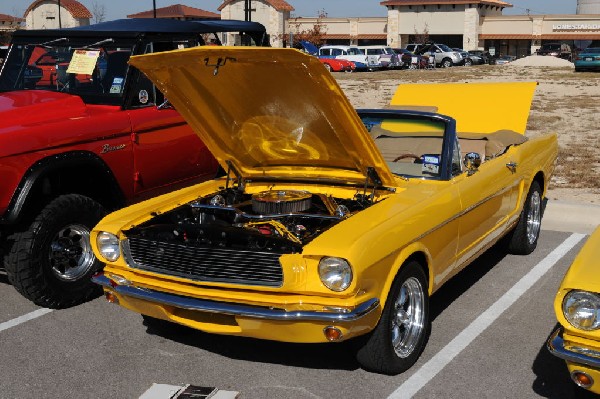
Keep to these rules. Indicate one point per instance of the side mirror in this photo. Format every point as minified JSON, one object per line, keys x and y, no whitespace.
{"x":472,"y":161}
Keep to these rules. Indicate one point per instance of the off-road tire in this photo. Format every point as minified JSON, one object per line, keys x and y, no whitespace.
{"x":52,"y":241}
{"x":376,"y":351}
{"x":522,"y":240}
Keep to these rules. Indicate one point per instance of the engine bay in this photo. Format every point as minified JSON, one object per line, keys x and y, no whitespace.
{"x":280,"y":221}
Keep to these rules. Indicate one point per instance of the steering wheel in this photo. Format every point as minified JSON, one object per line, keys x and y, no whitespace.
{"x":408,"y":155}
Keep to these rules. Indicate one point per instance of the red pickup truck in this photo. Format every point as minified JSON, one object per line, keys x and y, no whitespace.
{"x":81,"y":134}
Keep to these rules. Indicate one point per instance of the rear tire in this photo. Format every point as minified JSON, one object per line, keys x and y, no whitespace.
{"x":402,"y":332}
{"x":51,"y":263}
{"x":524,"y":237}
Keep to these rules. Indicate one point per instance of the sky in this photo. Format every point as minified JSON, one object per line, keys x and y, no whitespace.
{"x":115,"y":9}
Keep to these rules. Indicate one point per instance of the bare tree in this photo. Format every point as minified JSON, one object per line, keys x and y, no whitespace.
{"x":98,"y":12}
{"x":423,"y":36}
{"x":315,"y":35}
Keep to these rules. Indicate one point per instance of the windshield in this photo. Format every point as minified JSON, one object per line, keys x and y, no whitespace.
{"x":97,"y":74}
{"x":444,"y":48}
{"x":412,"y":147}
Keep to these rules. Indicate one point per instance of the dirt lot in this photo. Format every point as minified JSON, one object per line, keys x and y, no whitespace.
{"x":565,"y":102}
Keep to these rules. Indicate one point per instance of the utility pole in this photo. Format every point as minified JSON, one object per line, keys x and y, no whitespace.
{"x":248,"y":10}
{"x":154,"y":7}
{"x":59,"y":21}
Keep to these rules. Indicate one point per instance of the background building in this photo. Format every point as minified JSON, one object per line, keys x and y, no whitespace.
{"x":177,"y":11}
{"x":46,"y":14}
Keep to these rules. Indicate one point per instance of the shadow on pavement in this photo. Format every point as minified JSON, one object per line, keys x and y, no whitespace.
{"x":552,"y":378}
{"x":314,"y":356}
{"x":460,"y":283}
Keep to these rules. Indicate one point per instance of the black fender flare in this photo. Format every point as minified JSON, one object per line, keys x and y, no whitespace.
{"x":52,"y":163}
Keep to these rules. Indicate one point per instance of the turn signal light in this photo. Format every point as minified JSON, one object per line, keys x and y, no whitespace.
{"x":332,"y":333}
{"x":111,"y":297}
{"x":582,"y":379}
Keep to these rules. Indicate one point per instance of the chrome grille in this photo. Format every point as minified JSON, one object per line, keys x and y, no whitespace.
{"x":204,"y":263}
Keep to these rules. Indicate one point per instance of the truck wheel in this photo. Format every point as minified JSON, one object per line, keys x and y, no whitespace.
{"x":402,"y":332}
{"x":52,"y":261}
{"x":446,"y":63}
{"x":524,"y":237}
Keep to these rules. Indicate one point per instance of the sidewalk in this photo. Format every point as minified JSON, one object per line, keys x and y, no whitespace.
{"x":571,"y":217}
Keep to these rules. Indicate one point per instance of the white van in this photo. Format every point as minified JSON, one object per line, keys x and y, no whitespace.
{"x":351,"y":53}
{"x":387,"y":57}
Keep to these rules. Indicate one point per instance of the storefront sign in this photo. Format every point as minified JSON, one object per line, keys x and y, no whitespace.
{"x":579,"y":27}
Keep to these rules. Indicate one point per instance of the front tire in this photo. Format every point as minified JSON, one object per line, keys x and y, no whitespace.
{"x":523,"y":239}
{"x":402,"y":332}
{"x":51,"y":263}
{"x":468,"y":62}
{"x":446,"y":63}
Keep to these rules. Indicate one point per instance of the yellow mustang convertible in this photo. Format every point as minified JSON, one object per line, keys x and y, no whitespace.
{"x":329,"y":223}
{"x":577,"y":308}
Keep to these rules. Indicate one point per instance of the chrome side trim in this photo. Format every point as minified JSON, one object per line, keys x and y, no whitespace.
{"x":556,"y":346}
{"x":234,"y":309}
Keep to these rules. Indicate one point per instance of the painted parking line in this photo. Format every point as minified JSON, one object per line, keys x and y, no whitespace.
{"x":23,"y":319}
{"x":431,"y":368}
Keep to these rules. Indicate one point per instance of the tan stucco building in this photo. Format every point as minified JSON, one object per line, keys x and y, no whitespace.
{"x":469,"y":24}
{"x":46,"y":14}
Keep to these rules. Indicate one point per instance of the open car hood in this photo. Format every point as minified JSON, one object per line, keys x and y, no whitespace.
{"x":269,"y":113}
{"x":477,"y":107}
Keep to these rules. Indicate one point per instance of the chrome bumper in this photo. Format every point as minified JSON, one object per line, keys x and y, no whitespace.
{"x":556,"y":346}
{"x":233,"y":309}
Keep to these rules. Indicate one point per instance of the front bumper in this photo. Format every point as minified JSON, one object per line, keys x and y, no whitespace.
{"x":584,"y":356}
{"x":241,"y":319}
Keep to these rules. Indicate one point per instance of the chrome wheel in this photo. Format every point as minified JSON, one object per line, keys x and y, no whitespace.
{"x":408,"y":317}
{"x":534,"y":217}
{"x":71,"y":255}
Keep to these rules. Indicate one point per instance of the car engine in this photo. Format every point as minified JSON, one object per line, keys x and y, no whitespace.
{"x":273,"y":221}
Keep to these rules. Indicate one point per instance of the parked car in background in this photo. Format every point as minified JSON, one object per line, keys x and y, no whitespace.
{"x":466,"y":58}
{"x":83,"y":133}
{"x":331,"y":223}
{"x":588,"y":60}
{"x":338,"y":65}
{"x":387,"y":57}
{"x":351,"y":53}
{"x":576,"y":339}
{"x":331,"y":64}
{"x":483,"y":55}
{"x":504,"y":59}
{"x":444,"y":56}
{"x":411,"y":60}
{"x":560,"y":50}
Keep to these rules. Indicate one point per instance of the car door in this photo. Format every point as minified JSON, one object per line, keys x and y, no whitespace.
{"x":167,"y":153}
{"x":488,"y":198}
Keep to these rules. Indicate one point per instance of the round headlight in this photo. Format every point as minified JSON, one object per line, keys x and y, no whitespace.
{"x":108,"y":246}
{"x":335,"y":273}
{"x":582,"y":310}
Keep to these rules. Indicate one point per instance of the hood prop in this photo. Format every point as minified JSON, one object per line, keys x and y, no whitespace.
{"x":375,"y":180}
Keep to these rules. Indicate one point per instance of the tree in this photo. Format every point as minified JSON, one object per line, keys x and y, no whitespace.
{"x":98,"y":12}
{"x":314,"y":35}
{"x":423,"y":36}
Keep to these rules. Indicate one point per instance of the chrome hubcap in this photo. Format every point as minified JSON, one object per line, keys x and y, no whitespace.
{"x":71,"y":255}
{"x":534,"y":217}
{"x":408,"y":317}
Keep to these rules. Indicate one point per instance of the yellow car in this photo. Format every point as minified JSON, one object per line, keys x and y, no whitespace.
{"x":577,"y":308}
{"x":329,"y":224}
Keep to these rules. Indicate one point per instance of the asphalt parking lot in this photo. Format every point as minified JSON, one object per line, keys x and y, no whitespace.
{"x":488,"y":341}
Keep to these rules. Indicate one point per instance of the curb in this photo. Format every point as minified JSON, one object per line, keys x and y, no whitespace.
{"x":571,"y":217}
